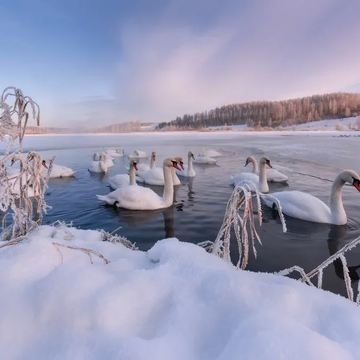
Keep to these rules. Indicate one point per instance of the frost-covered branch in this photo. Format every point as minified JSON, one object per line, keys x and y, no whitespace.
{"x":22,"y":192}
{"x":243,"y":225}
{"x":319,"y":270}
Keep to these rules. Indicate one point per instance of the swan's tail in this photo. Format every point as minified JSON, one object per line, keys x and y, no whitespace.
{"x":107,"y":199}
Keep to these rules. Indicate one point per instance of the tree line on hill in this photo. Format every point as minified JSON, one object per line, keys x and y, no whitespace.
{"x":272,"y":113}
{"x":130,"y":126}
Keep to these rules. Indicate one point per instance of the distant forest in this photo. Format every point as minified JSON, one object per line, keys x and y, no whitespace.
{"x":272,"y":113}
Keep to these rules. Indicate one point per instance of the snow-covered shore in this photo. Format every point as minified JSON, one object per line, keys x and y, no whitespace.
{"x":174,"y":302}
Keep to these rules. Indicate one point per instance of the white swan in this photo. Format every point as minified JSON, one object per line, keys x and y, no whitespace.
{"x":145,"y":167}
{"x":188,"y":169}
{"x":209,"y":153}
{"x":307,"y":207}
{"x":98,"y":166}
{"x":271,"y":174}
{"x":137,"y":154}
{"x":122,"y":180}
{"x":107,"y":159}
{"x":259,"y":181}
{"x":57,"y":171}
{"x":141,"y":198}
{"x":114,"y":152}
{"x":14,"y":182}
{"x":205,"y":160}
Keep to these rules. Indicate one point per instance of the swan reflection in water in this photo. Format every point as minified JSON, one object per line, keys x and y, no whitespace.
{"x":337,"y":237}
{"x":137,"y":218}
{"x":133,"y":218}
{"x":335,"y":242}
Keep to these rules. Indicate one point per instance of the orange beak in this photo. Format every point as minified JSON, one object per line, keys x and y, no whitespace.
{"x":268,"y":164}
{"x":356,"y":183}
{"x":135,"y":166}
{"x":182,"y":165}
{"x":44,"y":164}
{"x":175,"y":165}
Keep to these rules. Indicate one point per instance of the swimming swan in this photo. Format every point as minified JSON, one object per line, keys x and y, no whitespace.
{"x":107,"y":159}
{"x":137,"y":154}
{"x":259,"y":181}
{"x":145,"y":167}
{"x":272,"y":175}
{"x":209,"y":153}
{"x":114,"y":152}
{"x":306,"y":207}
{"x":153,"y":176}
{"x":122,"y":180}
{"x":14,"y":181}
{"x":141,"y":198}
{"x":57,"y":171}
{"x":188,"y":169}
{"x":98,"y":166}
{"x":205,"y":160}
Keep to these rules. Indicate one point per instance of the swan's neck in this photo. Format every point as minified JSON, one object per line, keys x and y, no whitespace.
{"x":103,"y":167}
{"x":190,"y":166}
{"x":175,"y":178}
{"x":255,"y":165}
{"x":152,"y":162}
{"x":263,"y":185}
{"x":132,"y":175}
{"x":168,"y":194}
{"x":338,"y":214}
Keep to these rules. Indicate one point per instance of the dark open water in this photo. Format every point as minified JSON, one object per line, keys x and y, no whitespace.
{"x":200,"y":203}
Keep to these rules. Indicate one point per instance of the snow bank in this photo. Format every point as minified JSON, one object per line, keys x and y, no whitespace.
{"x":174,"y":302}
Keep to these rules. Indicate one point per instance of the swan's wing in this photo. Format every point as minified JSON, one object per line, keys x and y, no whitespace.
{"x":276,"y":176}
{"x":301,"y":205}
{"x":119,"y":180}
{"x":245,"y":176}
{"x":204,"y":160}
{"x":143,"y":167}
{"x":138,"y":198}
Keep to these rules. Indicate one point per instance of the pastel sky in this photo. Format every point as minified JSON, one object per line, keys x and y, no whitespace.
{"x":97,"y":62}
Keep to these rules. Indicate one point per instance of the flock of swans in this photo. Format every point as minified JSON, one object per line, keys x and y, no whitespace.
{"x":296,"y":204}
{"x":128,"y":194}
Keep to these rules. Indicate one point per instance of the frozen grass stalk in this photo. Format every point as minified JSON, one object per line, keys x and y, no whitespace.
{"x":239,"y":215}
{"x":27,"y":211}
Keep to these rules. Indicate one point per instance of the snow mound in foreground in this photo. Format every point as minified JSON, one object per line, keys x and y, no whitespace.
{"x":174,"y":302}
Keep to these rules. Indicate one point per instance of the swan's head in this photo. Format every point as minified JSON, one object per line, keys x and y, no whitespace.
{"x":180,"y":161}
{"x":133,"y":163}
{"x":14,"y":159}
{"x":265,"y":160}
{"x":351,"y":177}
{"x":203,"y":152}
{"x":153,"y":155}
{"x":43,"y":163}
{"x":249,"y":160}
{"x":191,"y":154}
{"x":169,"y":162}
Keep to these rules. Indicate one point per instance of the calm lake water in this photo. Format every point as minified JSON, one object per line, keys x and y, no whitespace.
{"x":311,"y":160}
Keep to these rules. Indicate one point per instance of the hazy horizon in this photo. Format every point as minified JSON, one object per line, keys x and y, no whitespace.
{"x":93,"y":63}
